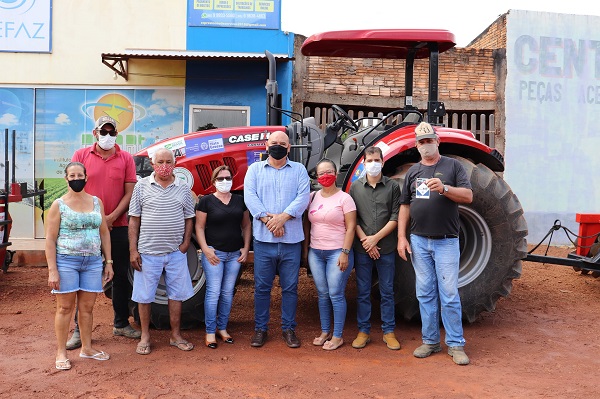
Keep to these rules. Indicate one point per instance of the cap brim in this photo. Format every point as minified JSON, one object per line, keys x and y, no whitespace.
{"x":427,"y":136}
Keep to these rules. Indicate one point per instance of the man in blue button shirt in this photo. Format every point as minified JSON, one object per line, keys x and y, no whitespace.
{"x":276,"y":192}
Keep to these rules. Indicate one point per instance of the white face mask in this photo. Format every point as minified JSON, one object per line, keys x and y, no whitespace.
{"x":106,"y":142}
{"x":224,"y":186}
{"x":428,"y":150}
{"x":373,"y":168}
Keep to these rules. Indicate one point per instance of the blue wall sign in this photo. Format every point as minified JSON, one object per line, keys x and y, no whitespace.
{"x":254,"y":14}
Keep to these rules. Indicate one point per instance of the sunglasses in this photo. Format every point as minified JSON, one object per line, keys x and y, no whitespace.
{"x":228,"y":178}
{"x":104,"y":132}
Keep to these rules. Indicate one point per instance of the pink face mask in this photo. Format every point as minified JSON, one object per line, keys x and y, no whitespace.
{"x":164,"y":170}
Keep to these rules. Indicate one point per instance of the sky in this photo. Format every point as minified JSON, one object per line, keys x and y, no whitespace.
{"x":465,"y":18}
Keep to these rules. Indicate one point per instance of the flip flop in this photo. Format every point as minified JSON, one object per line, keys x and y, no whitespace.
{"x":182,"y":345}
{"x":330,"y":346}
{"x":63,"y":364}
{"x":98,"y":356}
{"x":143,"y":349}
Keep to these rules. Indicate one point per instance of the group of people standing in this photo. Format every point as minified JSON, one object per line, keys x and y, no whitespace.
{"x":333,"y":231}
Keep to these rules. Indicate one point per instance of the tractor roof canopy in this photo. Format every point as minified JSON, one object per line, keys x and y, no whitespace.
{"x":378,"y":43}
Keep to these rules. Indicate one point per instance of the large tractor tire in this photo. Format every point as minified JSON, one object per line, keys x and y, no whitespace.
{"x":492,"y":245}
{"x":192,"y":310}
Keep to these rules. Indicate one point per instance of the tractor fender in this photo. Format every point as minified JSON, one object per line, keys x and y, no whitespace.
{"x":452,"y":142}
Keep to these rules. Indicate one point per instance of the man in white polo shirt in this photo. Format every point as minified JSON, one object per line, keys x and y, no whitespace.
{"x":161,"y":215}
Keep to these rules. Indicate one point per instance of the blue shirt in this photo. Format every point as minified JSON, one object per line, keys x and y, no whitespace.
{"x":271,"y":190}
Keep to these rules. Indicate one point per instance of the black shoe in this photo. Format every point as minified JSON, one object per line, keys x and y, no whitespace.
{"x":289,"y":336}
{"x":259,"y":338}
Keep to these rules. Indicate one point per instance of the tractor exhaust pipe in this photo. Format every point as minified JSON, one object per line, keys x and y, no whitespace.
{"x":273,"y":116}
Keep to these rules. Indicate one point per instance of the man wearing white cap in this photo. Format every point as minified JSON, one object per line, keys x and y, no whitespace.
{"x":111,"y":177}
{"x":433,"y":188}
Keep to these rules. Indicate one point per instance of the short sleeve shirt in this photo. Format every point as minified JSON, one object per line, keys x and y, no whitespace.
{"x":223,"y":230}
{"x":162,"y":212}
{"x":327,"y":218}
{"x":433,"y":214}
{"x":107,"y":177}
{"x":375,"y":207}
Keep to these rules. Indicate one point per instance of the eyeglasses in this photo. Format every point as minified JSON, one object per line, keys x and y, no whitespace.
{"x":326,"y":172}
{"x":104,"y":132}
{"x":228,"y":178}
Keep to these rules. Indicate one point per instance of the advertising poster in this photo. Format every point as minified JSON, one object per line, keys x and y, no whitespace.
{"x":65,"y":122}
{"x":16,"y":114}
{"x":254,"y":14}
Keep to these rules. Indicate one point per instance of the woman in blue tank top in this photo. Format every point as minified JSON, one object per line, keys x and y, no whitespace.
{"x":76,"y":238}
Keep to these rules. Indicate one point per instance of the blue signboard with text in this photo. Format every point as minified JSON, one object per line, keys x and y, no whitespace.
{"x":254,"y":14}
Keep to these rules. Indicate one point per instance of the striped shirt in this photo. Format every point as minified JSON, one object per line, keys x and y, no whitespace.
{"x":271,"y":190}
{"x":163,"y":212}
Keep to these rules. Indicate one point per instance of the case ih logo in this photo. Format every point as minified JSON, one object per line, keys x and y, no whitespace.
{"x":243,"y":138}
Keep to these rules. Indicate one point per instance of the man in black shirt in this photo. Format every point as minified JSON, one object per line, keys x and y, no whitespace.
{"x":433,"y":188}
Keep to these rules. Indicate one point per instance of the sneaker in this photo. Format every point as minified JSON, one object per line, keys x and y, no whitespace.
{"x":75,"y":341}
{"x":127,"y":331}
{"x":426,"y":350}
{"x":289,"y":336}
{"x":361,"y":340}
{"x":259,"y":338}
{"x":391,"y":341}
{"x":458,"y":355}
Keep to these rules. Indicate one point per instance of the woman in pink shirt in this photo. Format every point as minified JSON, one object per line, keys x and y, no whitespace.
{"x":332,"y":217}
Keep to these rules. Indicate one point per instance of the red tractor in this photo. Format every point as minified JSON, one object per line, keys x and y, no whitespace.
{"x":493,"y":229}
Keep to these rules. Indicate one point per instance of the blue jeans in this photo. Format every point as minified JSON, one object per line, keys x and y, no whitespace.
{"x":436,"y":264}
{"x":220,"y":283}
{"x":331,"y":286}
{"x":386,"y":269}
{"x":284,"y":259}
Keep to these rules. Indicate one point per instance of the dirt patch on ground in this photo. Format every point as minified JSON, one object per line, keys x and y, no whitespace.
{"x":541,"y":342}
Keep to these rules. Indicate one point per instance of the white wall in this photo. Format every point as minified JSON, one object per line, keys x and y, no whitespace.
{"x":84,"y":29}
{"x":553,"y":117}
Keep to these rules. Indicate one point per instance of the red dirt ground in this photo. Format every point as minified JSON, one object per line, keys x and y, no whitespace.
{"x":541,"y":342}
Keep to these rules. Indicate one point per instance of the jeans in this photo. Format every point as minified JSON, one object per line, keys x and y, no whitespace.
{"x":436,"y":264}
{"x":220,"y":283}
{"x":386,"y":270}
{"x":331,"y":286}
{"x":284,"y":259}
{"x":121,"y":291}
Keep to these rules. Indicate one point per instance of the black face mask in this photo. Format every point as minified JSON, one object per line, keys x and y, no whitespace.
{"x":277,"y":152}
{"x":77,"y":185}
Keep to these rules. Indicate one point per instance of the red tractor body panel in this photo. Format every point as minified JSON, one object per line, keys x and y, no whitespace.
{"x":201,"y":152}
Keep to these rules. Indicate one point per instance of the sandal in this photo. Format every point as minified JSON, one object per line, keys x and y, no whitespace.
{"x":143,"y":349}
{"x":330,"y":346}
{"x":97,"y":356}
{"x":63,"y":364}
{"x":319,"y":341}
{"x":182,"y":345}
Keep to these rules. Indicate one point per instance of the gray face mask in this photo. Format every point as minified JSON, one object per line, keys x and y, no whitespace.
{"x":428,"y":150}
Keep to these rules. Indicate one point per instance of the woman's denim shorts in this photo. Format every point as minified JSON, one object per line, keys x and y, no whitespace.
{"x":79,"y":273}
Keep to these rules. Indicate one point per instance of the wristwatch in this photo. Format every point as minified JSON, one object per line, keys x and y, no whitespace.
{"x":445,"y":189}
{"x":109,"y":261}
{"x":346,"y":251}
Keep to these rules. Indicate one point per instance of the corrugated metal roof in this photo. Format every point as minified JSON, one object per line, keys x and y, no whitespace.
{"x":184,"y":54}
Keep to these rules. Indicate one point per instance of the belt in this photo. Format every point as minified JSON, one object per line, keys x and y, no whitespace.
{"x":441,"y":237}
